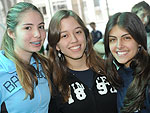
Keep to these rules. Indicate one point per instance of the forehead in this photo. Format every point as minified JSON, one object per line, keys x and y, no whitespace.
{"x":68,"y":23}
{"x":30,"y":15}
{"x":116,"y":30}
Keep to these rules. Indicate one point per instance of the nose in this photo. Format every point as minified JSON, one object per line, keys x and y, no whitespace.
{"x":73,"y":38}
{"x":119,"y":44}
{"x":37,"y":33}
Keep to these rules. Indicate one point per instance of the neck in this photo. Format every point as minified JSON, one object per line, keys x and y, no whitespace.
{"x":24,"y":57}
{"x":78,"y":65}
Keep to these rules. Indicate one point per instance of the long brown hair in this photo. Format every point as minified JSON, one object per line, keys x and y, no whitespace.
{"x":26,"y":72}
{"x":59,"y":63}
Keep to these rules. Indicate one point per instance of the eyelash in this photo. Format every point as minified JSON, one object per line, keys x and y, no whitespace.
{"x":127,"y":38}
{"x":63,"y":36}
{"x":111,"y":40}
{"x":27,"y":28}
{"x":79,"y":32}
{"x":41,"y":27}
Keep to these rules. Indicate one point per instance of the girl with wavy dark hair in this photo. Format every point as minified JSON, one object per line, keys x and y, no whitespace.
{"x":80,"y":84}
{"x":128,"y":62}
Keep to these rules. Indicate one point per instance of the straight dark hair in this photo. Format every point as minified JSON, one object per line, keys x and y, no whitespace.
{"x":135,"y":96}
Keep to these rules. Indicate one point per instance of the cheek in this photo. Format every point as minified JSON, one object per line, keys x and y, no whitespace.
{"x":61,"y":45}
{"x":43,"y":34}
{"x":135,"y":50}
{"x":111,"y":47}
{"x":83,"y":39}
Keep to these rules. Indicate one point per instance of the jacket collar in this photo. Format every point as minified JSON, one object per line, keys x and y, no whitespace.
{"x":8,"y":65}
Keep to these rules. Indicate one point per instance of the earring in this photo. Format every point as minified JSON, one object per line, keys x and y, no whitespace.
{"x":139,"y":47}
{"x":59,"y":54}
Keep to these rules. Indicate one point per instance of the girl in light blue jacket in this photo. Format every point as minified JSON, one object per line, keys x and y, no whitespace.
{"x":24,"y":81}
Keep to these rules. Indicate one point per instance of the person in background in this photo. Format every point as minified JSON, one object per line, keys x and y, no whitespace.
{"x":127,"y":62}
{"x":24,"y":81}
{"x":142,"y":10}
{"x":96,"y":34}
{"x":79,"y":81}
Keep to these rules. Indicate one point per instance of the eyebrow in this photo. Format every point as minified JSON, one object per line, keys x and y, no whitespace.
{"x":78,"y":27}
{"x":121,"y":35}
{"x":32,"y":24}
{"x":124,"y":35}
{"x":75,"y":28}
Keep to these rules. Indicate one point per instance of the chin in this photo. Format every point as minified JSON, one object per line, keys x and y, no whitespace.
{"x":123,"y":62}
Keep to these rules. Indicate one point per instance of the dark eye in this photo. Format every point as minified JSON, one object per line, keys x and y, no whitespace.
{"x":64,"y":36}
{"x":112,"y":39}
{"x":127,"y":38}
{"x":28,"y":28}
{"x":78,"y":32}
{"x":41,"y":27}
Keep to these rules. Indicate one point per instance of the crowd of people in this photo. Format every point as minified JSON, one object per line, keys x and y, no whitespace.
{"x":72,"y":77}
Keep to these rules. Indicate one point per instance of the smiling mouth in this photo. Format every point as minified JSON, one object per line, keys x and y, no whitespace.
{"x":75,"y":47}
{"x":121,"y":53}
{"x":35,"y":42}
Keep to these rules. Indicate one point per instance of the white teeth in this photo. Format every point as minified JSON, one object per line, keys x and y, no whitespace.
{"x":35,"y":42}
{"x":76,"y":47}
{"x":121,"y":53}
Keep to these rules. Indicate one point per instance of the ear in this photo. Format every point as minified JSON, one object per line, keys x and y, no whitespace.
{"x":11,"y":34}
{"x":57,"y":48}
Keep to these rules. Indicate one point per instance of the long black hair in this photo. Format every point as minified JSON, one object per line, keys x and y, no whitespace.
{"x":140,"y":63}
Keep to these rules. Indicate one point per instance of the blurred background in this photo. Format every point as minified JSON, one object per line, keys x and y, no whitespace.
{"x":97,"y":11}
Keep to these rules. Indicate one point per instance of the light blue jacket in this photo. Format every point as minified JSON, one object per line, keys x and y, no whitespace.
{"x":12,"y":93}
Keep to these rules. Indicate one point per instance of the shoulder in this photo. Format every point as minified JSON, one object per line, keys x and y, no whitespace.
{"x":6,"y":65}
{"x":9,"y":82}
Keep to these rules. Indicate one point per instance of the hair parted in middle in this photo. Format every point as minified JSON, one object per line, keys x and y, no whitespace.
{"x":140,"y":62}
{"x":59,"y":62}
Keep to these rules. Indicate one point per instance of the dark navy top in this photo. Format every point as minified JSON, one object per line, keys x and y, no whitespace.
{"x":85,"y":76}
{"x":96,"y":36}
{"x":126,"y":76}
{"x":90,"y":93}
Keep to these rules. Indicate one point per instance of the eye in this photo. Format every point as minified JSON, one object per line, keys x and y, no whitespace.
{"x":79,"y":32}
{"x":64,"y":36}
{"x":41,"y":27}
{"x":127,"y":38}
{"x":112,"y":39}
{"x":28,"y":28}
